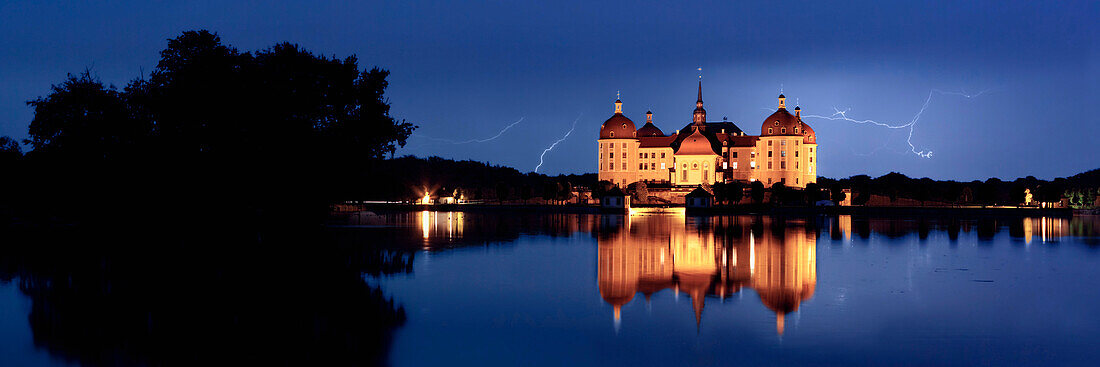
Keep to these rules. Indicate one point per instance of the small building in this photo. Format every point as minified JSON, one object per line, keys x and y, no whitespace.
{"x":699,"y":198}
{"x":615,"y":200}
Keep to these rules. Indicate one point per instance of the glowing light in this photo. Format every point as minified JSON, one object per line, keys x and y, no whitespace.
{"x":911,"y":125}
{"x":425,"y":223}
{"x":426,"y":200}
{"x":551,"y":147}
{"x":485,"y":140}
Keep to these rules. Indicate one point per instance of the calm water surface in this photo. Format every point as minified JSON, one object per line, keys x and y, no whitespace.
{"x":565,"y":289}
{"x":669,"y":289}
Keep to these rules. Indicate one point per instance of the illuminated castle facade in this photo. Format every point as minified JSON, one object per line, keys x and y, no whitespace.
{"x":708,"y":152}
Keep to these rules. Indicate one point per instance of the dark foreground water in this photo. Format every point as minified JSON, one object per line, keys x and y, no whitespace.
{"x":560,"y":289}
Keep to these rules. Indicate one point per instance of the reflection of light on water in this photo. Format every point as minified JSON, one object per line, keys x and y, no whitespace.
{"x":425,"y":222}
{"x":1049,"y":229}
{"x":752,"y":254}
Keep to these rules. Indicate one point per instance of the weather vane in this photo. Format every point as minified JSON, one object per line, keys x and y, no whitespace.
{"x":616,"y":94}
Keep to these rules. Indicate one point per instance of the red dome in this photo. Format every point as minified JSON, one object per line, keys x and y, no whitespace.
{"x":617,"y":127}
{"x":780,"y":123}
{"x":808,"y":132}
{"x":696,"y":144}
{"x":650,"y":130}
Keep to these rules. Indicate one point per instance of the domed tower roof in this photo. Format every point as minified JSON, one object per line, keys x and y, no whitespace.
{"x":696,"y":144}
{"x":781,"y":123}
{"x":807,"y":132}
{"x":618,"y":126}
{"x":649,"y":129}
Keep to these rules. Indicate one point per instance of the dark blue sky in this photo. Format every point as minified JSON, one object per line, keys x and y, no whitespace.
{"x":465,"y":71}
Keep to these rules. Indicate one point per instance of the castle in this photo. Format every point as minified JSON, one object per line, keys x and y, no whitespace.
{"x":708,"y":152}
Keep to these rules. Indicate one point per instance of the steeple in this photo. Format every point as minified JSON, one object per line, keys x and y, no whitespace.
{"x":700,"y":115}
{"x":782,"y":101}
{"x":618,"y":104}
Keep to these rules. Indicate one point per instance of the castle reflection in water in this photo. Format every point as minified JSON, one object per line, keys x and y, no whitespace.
{"x":707,"y":256}
{"x":714,"y":256}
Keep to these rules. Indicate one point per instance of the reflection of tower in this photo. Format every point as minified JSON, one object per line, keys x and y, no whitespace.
{"x":716,"y":257}
{"x":786,"y":270}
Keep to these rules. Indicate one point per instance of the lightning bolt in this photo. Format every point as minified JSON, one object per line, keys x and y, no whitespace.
{"x":474,"y":140}
{"x":551,"y":147}
{"x":911,"y":125}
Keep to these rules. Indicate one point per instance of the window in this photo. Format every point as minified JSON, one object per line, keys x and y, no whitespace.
{"x":663,"y":154}
{"x":734,"y":165}
{"x":624,"y":166}
{"x":705,"y":176}
{"x":662,"y":165}
{"x":725,"y":165}
{"x":653,"y":167}
{"x":811,"y":159}
{"x":796,"y":154}
{"x":684,"y":174}
{"x":769,"y":132}
{"x":796,"y":181}
{"x":685,"y":166}
{"x":733,"y":155}
{"x":776,"y":122}
{"x":811,"y":150}
{"x":613,"y":133}
{"x":783,"y":180}
{"x":612,"y":145}
{"x":783,"y":131}
{"x":769,"y":181}
{"x":769,"y":154}
{"x":611,"y":155}
{"x":611,"y":166}
{"x":796,"y":130}
{"x":695,"y":166}
{"x":783,"y":165}
{"x":769,"y":143}
{"x":752,"y":165}
{"x":811,"y":168}
{"x":795,"y":164}
{"x":769,"y":164}
{"x":783,"y":153}
{"x":784,"y":142}
{"x":639,"y":155}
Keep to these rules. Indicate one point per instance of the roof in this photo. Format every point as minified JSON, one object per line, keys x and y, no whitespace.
{"x":650,"y":130}
{"x":617,"y":127}
{"x":656,"y":141}
{"x":781,"y":123}
{"x":698,"y":192}
{"x":696,"y":144}
{"x":615,"y":191}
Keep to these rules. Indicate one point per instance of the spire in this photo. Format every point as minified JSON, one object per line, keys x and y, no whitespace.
{"x":618,"y":104}
{"x":700,"y":115}
{"x":649,"y":117}
{"x":798,"y":113}
{"x":782,"y":101}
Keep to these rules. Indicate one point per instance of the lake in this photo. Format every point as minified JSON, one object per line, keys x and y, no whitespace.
{"x":513,"y":288}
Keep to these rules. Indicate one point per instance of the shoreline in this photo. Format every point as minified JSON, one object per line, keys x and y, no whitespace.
{"x":897,"y":211}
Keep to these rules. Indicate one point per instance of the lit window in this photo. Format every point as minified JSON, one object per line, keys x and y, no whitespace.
{"x":734,"y":165}
{"x":752,"y":164}
{"x":725,"y":165}
{"x":662,"y":165}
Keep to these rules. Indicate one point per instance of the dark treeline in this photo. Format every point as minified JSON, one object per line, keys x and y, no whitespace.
{"x":410,"y":178}
{"x":1080,"y":190}
{"x":275,"y":130}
